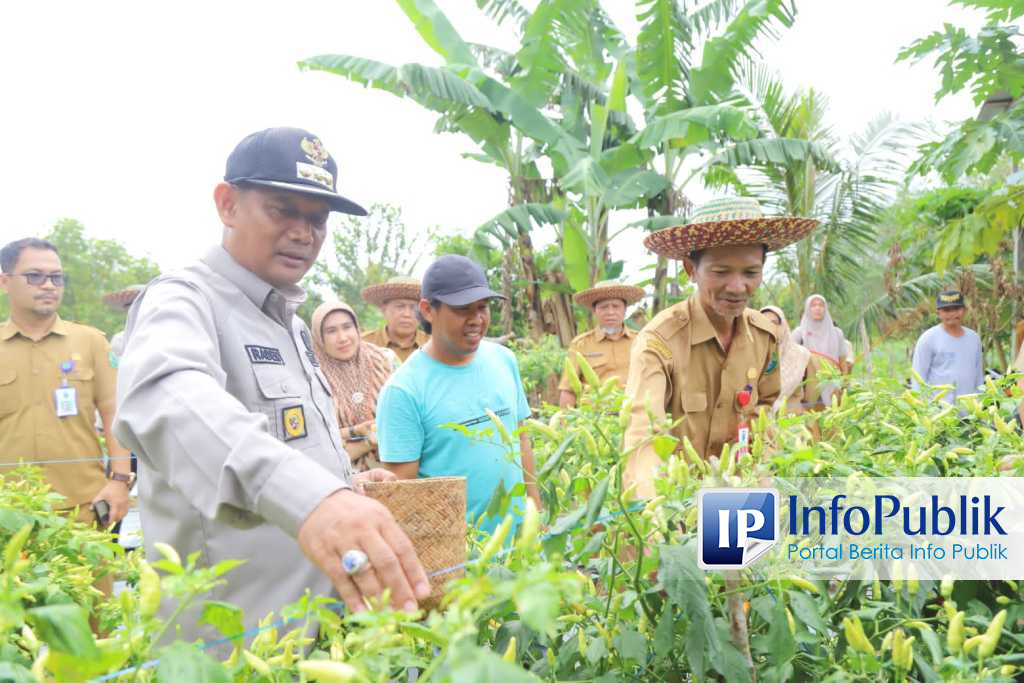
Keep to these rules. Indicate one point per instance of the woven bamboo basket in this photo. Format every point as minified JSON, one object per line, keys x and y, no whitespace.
{"x":432,"y":513}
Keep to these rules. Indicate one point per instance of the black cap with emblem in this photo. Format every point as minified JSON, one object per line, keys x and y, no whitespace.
{"x":949,"y":299}
{"x":290,"y":159}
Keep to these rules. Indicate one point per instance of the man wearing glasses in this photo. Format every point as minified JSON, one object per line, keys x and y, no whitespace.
{"x":54,"y":376}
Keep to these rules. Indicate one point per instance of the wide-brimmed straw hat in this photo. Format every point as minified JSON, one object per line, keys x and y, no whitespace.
{"x":725,"y":222}
{"x":609,"y":289}
{"x":395,"y":288}
{"x":122,"y":299}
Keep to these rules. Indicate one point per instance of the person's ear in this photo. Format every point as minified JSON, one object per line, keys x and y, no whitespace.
{"x":426,"y":311}
{"x":5,"y":281}
{"x":690,"y":267}
{"x":227,"y":198}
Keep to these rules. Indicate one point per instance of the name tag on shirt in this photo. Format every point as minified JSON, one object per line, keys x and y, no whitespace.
{"x":66,"y":400}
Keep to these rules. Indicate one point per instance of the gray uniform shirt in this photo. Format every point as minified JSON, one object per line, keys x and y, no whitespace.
{"x":220,"y":396}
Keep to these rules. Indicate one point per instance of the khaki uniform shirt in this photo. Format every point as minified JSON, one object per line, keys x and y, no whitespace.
{"x":380,"y":338}
{"x":608,"y":357}
{"x":680,"y":370}
{"x":29,"y":427}
{"x":233,"y":423}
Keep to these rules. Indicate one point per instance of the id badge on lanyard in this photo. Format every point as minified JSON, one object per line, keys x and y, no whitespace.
{"x":65,"y":397}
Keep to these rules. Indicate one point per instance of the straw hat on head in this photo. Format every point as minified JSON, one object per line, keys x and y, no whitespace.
{"x":726,"y":222}
{"x":122,"y":299}
{"x":609,"y":289}
{"x":395,"y":288}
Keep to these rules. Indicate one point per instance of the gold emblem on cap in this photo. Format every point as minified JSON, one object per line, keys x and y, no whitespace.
{"x":315,"y":151}
{"x":950,"y":297}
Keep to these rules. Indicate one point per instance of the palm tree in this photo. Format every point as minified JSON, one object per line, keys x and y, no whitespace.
{"x":849,"y":196}
{"x":562,"y":99}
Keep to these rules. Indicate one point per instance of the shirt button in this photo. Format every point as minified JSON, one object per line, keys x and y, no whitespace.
{"x":284,"y":387}
{"x":35,"y":371}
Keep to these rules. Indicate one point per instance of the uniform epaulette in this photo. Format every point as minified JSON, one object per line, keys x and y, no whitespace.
{"x":663,"y":327}
{"x":762,"y":322}
{"x":669,"y":322}
{"x":581,"y":336}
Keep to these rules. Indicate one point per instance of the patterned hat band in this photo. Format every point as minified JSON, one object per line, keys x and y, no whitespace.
{"x":731,"y":221}
{"x":727,"y":209}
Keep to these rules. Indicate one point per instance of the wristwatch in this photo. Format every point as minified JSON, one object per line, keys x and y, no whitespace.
{"x":126,"y":479}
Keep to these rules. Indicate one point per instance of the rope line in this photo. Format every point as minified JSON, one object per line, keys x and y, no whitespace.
{"x":69,"y":461}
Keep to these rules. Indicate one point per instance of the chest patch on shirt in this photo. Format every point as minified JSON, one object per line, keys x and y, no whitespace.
{"x":293,"y":421}
{"x":308,"y":342}
{"x":264,"y":355}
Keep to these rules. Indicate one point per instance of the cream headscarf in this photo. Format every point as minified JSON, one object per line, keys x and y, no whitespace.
{"x":792,"y":357}
{"x":355,"y":383}
{"x":822,"y":337}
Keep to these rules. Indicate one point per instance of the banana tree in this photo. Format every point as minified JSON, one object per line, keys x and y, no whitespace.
{"x":685,"y":63}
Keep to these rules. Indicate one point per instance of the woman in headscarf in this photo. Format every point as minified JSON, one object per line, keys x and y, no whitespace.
{"x":799,"y":369}
{"x":356,"y":370}
{"x":819,"y":334}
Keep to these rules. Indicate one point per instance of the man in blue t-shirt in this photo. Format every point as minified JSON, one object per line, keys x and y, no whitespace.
{"x":950,"y":353}
{"x":454,"y":379}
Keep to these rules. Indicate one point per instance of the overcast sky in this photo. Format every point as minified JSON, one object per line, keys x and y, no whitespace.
{"x":121,"y":114}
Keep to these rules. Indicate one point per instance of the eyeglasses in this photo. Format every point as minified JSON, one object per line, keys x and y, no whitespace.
{"x":37,"y":279}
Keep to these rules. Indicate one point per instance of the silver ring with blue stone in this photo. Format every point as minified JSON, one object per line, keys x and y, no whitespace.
{"x":354,"y":561}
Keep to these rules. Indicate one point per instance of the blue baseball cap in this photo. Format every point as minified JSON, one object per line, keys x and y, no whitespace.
{"x":456,"y":281}
{"x":290,"y":159}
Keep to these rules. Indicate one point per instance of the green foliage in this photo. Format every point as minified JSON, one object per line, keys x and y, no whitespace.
{"x":610,"y":592}
{"x":367,"y":251}
{"x":989,"y":64}
{"x":94,"y":267}
{"x":540,"y":365}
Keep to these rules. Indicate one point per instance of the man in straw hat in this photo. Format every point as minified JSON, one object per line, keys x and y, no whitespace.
{"x":708,"y":362}
{"x":397,"y":299}
{"x":606,"y":347}
{"x":223,"y":400}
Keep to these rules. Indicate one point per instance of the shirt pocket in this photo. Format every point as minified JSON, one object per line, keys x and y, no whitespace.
{"x":280,"y":399}
{"x":695,"y":402}
{"x":82,"y":380}
{"x":8,"y":390}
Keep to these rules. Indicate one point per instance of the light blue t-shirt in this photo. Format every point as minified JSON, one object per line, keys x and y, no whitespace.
{"x":941,"y":358}
{"x":424,"y":394}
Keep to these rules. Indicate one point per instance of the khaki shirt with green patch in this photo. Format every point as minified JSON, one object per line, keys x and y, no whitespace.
{"x":679,"y":369}
{"x":29,"y":427}
{"x":608,"y":357}
{"x":380,"y":337}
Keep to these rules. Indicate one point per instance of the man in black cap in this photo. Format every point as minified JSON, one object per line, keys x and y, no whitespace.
{"x":950,"y":353}
{"x":223,"y":401}
{"x":458,"y":378}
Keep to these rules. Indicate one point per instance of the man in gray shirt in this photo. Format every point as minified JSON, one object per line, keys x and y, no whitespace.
{"x":950,"y":353}
{"x":223,"y":401}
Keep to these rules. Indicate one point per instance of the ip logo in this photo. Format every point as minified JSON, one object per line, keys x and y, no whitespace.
{"x":735,"y":527}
